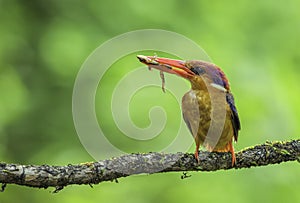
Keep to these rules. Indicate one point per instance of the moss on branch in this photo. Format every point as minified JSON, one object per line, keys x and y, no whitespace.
{"x":43,"y":176}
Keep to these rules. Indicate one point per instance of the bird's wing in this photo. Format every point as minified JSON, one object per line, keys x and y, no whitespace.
{"x":190,"y":112}
{"x":187,"y":121}
{"x":234,"y":115}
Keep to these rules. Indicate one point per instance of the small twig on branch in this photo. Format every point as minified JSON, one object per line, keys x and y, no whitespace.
{"x":109,"y":170}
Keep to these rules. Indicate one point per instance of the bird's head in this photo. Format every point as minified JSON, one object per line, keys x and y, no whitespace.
{"x":199,"y":73}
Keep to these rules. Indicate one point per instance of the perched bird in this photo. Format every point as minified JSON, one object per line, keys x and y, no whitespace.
{"x":208,"y":109}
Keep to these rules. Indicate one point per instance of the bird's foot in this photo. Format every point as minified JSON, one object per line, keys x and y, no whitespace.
{"x":196,"y":154}
{"x":233,"y":159}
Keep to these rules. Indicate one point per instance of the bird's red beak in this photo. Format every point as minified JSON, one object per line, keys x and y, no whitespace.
{"x":167,"y":65}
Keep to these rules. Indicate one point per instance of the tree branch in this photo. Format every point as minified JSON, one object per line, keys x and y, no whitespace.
{"x":44,"y":176}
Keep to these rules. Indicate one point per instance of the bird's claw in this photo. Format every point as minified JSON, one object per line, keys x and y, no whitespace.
{"x":196,"y":154}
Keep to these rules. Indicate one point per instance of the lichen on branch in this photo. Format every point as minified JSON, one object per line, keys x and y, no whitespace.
{"x":43,"y":176}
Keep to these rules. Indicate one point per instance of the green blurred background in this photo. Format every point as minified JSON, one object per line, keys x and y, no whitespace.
{"x":44,"y":43}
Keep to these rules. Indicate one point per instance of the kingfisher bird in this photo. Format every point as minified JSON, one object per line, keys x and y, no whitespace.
{"x":208,"y":109}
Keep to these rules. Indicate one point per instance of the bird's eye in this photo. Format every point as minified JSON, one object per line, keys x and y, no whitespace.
{"x":198,"y":70}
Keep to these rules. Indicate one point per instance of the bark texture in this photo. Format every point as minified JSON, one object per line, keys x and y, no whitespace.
{"x":43,"y":176}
